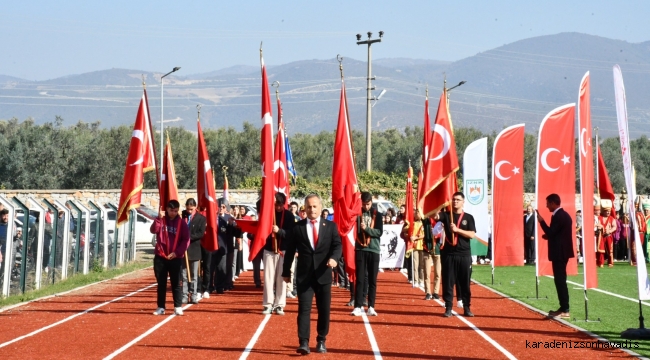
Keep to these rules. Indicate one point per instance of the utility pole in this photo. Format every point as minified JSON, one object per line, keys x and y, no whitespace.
{"x":369,"y":98}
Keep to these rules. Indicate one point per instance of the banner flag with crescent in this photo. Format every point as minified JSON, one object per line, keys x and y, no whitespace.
{"x":507,"y":187}
{"x":439,"y":182}
{"x":624,"y":135}
{"x":168,"y":186}
{"x":141,"y":159}
{"x":587,"y":183}
{"x":555,"y":175}
{"x":206,"y":193}
{"x":426,"y":141}
{"x":280,"y":176}
{"x":346,"y":199}
{"x":408,"y":204}
{"x":605,"y":190}
{"x":266,"y":213}
{"x":475,"y":189}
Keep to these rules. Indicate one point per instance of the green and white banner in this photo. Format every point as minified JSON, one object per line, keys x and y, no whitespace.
{"x":475,"y":189}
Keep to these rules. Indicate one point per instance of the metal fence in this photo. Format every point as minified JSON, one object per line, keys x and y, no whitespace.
{"x":48,"y":241}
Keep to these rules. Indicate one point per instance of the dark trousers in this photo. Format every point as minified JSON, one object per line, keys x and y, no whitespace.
{"x":218,"y":269}
{"x":323,"y":302}
{"x":366,"y":261}
{"x":529,"y":250}
{"x":342,"y":275}
{"x":408,"y":264}
{"x":240,"y":262}
{"x":206,"y":261}
{"x":257,"y":261}
{"x":456,"y":270}
{"x":559,"y":277}
{"x":230,"y":267}
{"x":172,"y":268}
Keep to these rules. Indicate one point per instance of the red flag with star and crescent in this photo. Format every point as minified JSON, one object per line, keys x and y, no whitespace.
{"x":439,"y":182}
{"x":141,"y":159}
{"x":507,"y":187}
{"x":555,"y":174}
{"x":281,"y":181}
{"x":346,"y":199}
{"x":206,"y":193}
{"x":266,"y":211}
{"x":587,"y":183}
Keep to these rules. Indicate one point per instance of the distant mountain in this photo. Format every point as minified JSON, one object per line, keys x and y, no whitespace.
{"x":514,"y":83}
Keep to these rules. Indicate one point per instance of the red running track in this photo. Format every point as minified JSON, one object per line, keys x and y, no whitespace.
{"x":222,"y":326}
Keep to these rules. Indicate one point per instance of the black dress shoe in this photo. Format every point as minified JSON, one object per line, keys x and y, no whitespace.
{"x":436,"y":296}
{"x":468,"y":313}
{"x":320,"y":347}
{"x":220,"y":291}
{"x":428,"y":297}
{"x":303,"y":349}
{"x":448,"y":312}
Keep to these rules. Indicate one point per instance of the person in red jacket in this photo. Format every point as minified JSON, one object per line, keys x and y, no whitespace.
{"x":172,"y":240}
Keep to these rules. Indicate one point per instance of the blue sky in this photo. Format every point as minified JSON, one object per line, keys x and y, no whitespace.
{"x":45,"y":39}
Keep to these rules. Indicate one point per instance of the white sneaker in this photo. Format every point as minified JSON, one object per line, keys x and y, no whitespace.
{"x":267,"y":310}
{"x":159,"y":311}
{"x":371,"y":311}
{"x":460,"y":304}
{"x":236,"y":277}
{"x":206,"y":295}
{"x":381,"y":270}
{"x":178,"y":311}
{"x":279,"y":311}
{"x":358,"y":311}
{"x":290,"y":295}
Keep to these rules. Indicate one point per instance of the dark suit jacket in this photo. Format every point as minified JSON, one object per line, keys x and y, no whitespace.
{"x":529,"y":226}
{"x":560,"y":236}
{"x":197,"y":230}
{"x":312,"y":264}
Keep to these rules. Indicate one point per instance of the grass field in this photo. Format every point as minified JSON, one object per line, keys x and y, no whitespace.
{"x":615,"y":314}
{"x":74,"y":282}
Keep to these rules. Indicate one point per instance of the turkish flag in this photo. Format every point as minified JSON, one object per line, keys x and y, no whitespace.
{"x":587,"y":184}
{"x":141,"y":159}
{"x":280,"y":178}
{"x":168,"y":186}
{"x":439,"y":182}
{"x":555,"y":174}
{"x":426,"y":141}
{"x":206,"y":194}
{"x":409,"y":208}
{"x":346,"y":198}
{"x":266,"y":213}
{"x":507,"y":187}
{"x":605,"y":189}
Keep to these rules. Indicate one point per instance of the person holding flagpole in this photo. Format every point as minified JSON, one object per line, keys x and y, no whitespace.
{"x":456,"y":254}
{"x":172,"y":240}
{"x":196,"y":223}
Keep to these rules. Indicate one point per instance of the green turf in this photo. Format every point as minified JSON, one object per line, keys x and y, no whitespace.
{"x":615,"y":314}
{"x":74,"y":282}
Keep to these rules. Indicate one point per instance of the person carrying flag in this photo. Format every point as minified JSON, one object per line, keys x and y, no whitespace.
{"x":172,"y":240}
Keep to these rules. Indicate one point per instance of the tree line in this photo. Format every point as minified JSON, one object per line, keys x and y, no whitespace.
{"x":87,"y":156}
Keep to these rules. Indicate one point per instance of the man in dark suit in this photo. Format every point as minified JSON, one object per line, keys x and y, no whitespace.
{"x":529,"y":235}
{"x":560,"y":249}
{"x":319,"y":246}
{"x":197,"y":224}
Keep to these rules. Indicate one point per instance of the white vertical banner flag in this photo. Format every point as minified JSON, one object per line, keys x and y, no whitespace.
{"x":475,"y":189}
{"x":624,"y":134}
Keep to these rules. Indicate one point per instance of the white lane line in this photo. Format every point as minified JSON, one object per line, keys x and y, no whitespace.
{"x":371,"y":337}
{"x":147,"y":333}
{"x":475,"y":328}
{"x":256,"y":336}
{"x":606,"y":292}
{"x":73,"y":316}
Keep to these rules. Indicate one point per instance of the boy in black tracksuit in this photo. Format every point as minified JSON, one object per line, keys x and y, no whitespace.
{"x":367,"y":254}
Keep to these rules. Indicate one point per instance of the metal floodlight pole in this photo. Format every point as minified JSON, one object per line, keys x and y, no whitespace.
{"x":369,"y":97}
{"x":162,"y":115}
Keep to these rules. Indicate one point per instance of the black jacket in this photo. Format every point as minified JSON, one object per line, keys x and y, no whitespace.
{"x":312,"y":263}
{"x":226,"y":234}
{"x":285,"y":228}
{"x":529,"y":226}
{"x":197,"y":230}
{"x":560,"y":236}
